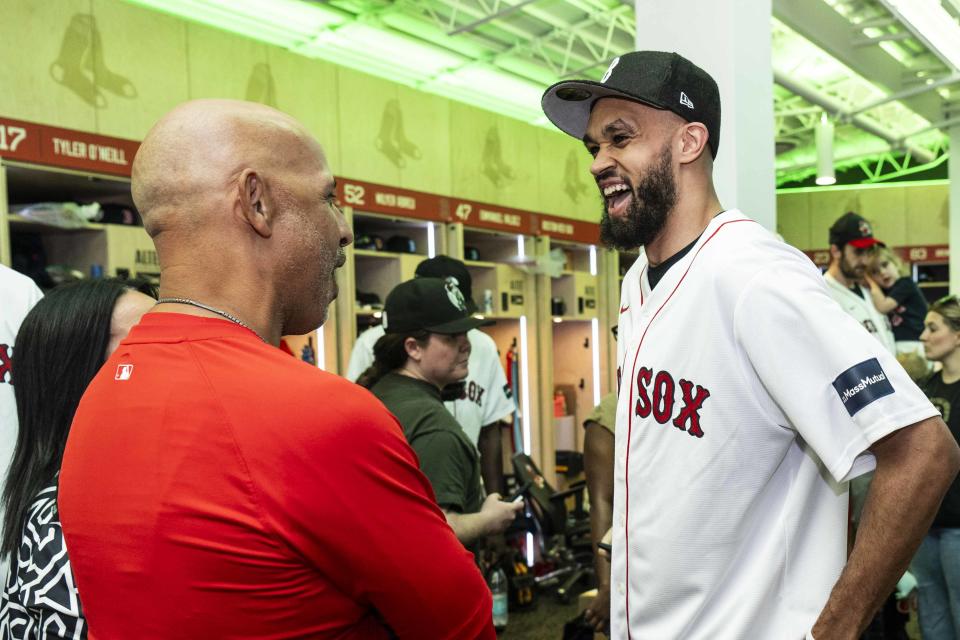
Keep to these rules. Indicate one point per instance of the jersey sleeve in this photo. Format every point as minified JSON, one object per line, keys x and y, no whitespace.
{"x":364,"y":515}
{"x":444,"y":462}
{"x":827,"y":378}
{"x":362,"y":355}
{"x":499,"y":403}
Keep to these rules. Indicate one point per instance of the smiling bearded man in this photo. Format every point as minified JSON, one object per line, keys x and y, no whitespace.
{"x":748,"y":398}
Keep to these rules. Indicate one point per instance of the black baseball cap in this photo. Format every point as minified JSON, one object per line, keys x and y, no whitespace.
{"x":854,"y":230}
{"x":445,"y":267}
{"x":428,"y":304}
{"x":659,"y":79}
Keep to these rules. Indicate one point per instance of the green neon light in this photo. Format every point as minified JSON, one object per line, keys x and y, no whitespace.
{"x":859,"y":187}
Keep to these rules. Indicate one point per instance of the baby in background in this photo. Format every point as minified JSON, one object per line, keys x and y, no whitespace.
{"x":897,"y":295}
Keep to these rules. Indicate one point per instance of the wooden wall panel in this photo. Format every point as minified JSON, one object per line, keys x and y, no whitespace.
{"x":42,"y":74}
{"x":469,"y":129}
{"x":902,"y":215}
{"x":368,"y":109}
{"x":424,"y":139}
{"x":884,"y":208}
{"x":927,"y":215}
{"x":307,"y":90}
{"x":515,"y":168}
{"x":825,"y":208}
{"x":793,"y":219}
{"x":141,"y":70}
{"x":566,"y":186}
{"x":223,"y":65}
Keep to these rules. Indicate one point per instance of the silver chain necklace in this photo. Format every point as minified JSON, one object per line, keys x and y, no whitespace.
{"x":226,"y":315}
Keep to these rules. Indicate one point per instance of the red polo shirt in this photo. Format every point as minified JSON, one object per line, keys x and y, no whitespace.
{"x":214,"y":487}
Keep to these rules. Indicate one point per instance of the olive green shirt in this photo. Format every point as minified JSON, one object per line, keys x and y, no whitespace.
{"x":605,"y":413}
{"x":447,"y":457}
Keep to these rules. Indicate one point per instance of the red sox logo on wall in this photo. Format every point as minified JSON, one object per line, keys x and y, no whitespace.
{"x":656,"y":396}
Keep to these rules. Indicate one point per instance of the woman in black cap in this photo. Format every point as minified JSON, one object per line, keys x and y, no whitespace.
{"x":424,"y":349}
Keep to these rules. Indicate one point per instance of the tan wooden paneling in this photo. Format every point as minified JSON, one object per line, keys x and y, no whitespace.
{"x":516,"y":164}
{"x":223,"y":65}
{"x":141,"y":69}
{"x":825,"y":208}
{"x":469,"y":129}
{"x":304,"y":88}
{"x":369,"y":109}
{"x":902,"y":215}
{"x":425,"y":139}
{"x":884,"y":208}
{"x":927,"y":214}
{"x":793,"y":219}
{"x":43,"y":48}
{"x":566,"y":186}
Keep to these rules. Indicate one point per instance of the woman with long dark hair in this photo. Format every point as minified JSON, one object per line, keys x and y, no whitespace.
{"x":61,"y":345}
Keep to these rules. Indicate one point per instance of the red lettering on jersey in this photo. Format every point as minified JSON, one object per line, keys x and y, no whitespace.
{"x":624,"y":309}
{"x":663,"y":400}
{"x":691,"y":408}
{"x":619,"y":377}
{"x":663,"y":397}
{"x":6,"y":368}
{"x":644,"y":376}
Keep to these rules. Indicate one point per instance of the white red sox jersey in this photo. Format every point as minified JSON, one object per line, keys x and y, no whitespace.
{"x":747,"y":399}
{"x":862,"y":309}
{"x":486,"y":396}
{"x":18,"y":294}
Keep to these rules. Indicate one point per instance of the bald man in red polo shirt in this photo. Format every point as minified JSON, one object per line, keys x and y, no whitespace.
{"x":214,"y":487}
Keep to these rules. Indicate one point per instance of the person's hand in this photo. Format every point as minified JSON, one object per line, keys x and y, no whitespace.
{"x":499,"y":514}
{"x":597,"y":613}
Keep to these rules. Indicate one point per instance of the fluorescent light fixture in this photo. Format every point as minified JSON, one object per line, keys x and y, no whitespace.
{"x":321,"y":354}
{"x":557,"y":319}
{"x":593,"y":260}
{"x":524,"y":385}
{"x":521,"y":247}
{"x":824,"y":144}
{"x":431,"y":241}
{"x":378,"y":314}
{"x":280,"y":22}
{"x":595,"y":329}
{"x":479,"y":316}
{"x":931,"y":24}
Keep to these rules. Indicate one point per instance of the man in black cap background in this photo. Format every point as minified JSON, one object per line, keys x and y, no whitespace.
{"x":424,"y":349}
{"x":851,"y":246}
{"x":480,"y":401}
{"x":747,"y":399}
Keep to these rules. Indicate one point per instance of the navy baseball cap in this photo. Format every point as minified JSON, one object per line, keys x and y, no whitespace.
{"x":659,"y":79}
{"x":428,"y":304}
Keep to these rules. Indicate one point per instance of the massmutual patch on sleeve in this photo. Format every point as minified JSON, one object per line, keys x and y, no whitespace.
{"x":861,"y":384}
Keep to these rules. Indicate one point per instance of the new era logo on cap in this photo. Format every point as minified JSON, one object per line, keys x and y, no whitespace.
{"x":685,"y":100}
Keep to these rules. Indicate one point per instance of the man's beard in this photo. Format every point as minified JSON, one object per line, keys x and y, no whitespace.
{"x":653,"y":200}
{"x":849,"y":271}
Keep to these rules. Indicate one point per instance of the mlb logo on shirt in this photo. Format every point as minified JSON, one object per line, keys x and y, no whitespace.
{"x":124,"y":371}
